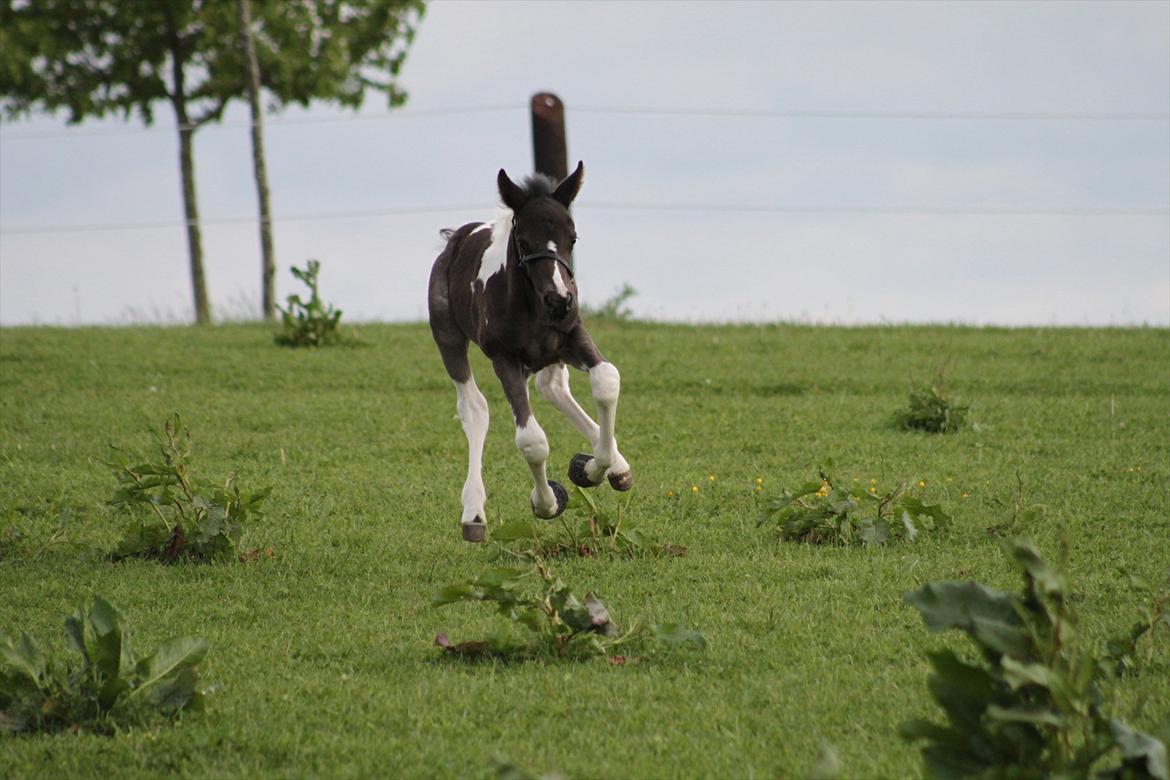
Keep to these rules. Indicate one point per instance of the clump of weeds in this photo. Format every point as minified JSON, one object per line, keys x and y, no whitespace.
{"x":823,"y":512}
{"x":559,"y":623}
{"x":593,"y":532}
{"x":172,"y":514}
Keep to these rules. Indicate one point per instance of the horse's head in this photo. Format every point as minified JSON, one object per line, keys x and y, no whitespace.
{"x":542,"y":239}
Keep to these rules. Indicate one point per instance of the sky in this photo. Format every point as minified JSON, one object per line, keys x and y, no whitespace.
{"x":978,"y":163}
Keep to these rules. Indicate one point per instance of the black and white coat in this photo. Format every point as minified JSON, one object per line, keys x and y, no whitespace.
{"x":508,"y":286}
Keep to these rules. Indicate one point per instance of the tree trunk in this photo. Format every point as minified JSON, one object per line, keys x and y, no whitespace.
{"x":268,"y":261}
{"x":187,"y":173}
{"x":194,"y":237}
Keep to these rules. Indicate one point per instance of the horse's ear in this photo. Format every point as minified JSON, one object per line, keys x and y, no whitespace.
{"x":509,"y":192}
{"x":567,"y":190}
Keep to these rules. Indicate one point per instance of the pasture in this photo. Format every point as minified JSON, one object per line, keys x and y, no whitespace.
{"x":322,"y":659}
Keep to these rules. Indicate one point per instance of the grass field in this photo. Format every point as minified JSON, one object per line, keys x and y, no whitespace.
{"x":322,"y":660}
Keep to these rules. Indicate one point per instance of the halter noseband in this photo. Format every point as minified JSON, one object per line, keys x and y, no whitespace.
{"x":523,"y":259}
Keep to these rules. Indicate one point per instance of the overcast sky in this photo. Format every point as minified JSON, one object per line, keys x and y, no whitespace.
{"x":1049,"y":220}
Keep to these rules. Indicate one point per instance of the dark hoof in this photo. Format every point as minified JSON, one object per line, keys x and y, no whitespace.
{"x":474,"y":532}
{"x":621,"y":482}
{"x":577,"y":474}
{"x":562,"y":497}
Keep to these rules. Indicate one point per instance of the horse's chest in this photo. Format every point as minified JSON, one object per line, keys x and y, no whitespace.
{"x":535,"y":348}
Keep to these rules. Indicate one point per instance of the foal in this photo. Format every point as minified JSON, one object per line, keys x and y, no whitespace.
{"x":508,"y":286}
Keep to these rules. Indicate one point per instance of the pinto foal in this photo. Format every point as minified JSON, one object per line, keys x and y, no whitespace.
{"x":508,"y":286}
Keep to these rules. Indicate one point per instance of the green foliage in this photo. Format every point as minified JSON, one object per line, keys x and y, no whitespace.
{"x":804,"y":646}
{"x":560,"y":623}
{"x":173,"y":515}
{"x":94,"y":57}
{"x":311,"y":323}
{"x":822,"y":513}
{"x":933,"y":411}
{"x":1125,"y":655}
{"x":614,"y":307}
{"x":594,"y":535}
{"x":1031,"y":707}
{"x":107,"y":685}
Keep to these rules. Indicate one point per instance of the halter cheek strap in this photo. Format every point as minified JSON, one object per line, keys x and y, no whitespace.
{"x":523,"y":259}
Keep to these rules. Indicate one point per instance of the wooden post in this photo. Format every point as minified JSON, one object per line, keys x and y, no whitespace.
{"x":549,"y":150}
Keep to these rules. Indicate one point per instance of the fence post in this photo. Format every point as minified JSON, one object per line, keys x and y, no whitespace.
{"x":549,"y":150}
{"x":548,"y":136}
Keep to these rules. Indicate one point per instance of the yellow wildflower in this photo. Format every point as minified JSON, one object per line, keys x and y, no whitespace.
{"x":694,"y":488}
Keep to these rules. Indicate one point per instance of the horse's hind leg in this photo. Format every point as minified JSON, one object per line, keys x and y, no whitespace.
{"x":548,"y":499}
{"x":472,"y":408}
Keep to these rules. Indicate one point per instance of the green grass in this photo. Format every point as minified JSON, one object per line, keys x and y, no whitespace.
{"x":322,"y":662}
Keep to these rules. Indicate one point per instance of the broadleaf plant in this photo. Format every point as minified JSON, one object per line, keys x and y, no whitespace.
{"x":930,"y":409}
{"x":103,"y":685}
{"x":594,"y":534}
{"x":1030,"y":706}
{"x":560,"y":622}
{"x":310,"y":323}
{"x":174,"y":516}
{"x":822,"y":512}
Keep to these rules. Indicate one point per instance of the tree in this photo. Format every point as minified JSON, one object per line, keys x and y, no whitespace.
{"x":315,"y":50}
{"x":98,"y":57}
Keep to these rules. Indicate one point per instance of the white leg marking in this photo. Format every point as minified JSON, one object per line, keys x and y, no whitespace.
{"x":607,"y":384}
{"x":553,"y":384}
{"x":473,"y":414}
{"x":533,"y":445}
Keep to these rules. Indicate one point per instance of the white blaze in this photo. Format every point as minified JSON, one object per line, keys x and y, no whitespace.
{"x":558,"y":278}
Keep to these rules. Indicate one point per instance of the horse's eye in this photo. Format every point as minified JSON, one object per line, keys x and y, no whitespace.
{"x":573,"y":240}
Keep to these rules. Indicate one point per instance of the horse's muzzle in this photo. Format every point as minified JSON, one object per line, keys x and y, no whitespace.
{"x":557,"y":308}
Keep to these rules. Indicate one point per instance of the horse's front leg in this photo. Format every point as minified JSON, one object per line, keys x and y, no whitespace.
{"x":606,"y":383}
{"x":548,"y":499}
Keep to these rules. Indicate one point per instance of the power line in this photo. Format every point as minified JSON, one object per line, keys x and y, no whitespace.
{"x":763,"y":113}
{"x":275,"y":120}
{"x":270,"y":120}
{"x":993,"y":211}
{"x":306,"y":217}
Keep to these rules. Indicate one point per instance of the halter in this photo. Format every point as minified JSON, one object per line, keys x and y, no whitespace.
{"x":523,"y":259}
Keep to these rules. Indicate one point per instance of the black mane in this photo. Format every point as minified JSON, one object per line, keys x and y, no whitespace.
{"x":536,"y":186}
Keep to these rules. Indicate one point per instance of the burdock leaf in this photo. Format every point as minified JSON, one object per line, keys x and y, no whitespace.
{"x":24,"y":656}
{"x":1039,"y":573}
{"x":916,"y":507}
{"x":1035,"y":715}
{"x":989,"y":616}
{"x":172,"y":658}
{"x":449,"y":594}
{"x":1141,"y":753}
